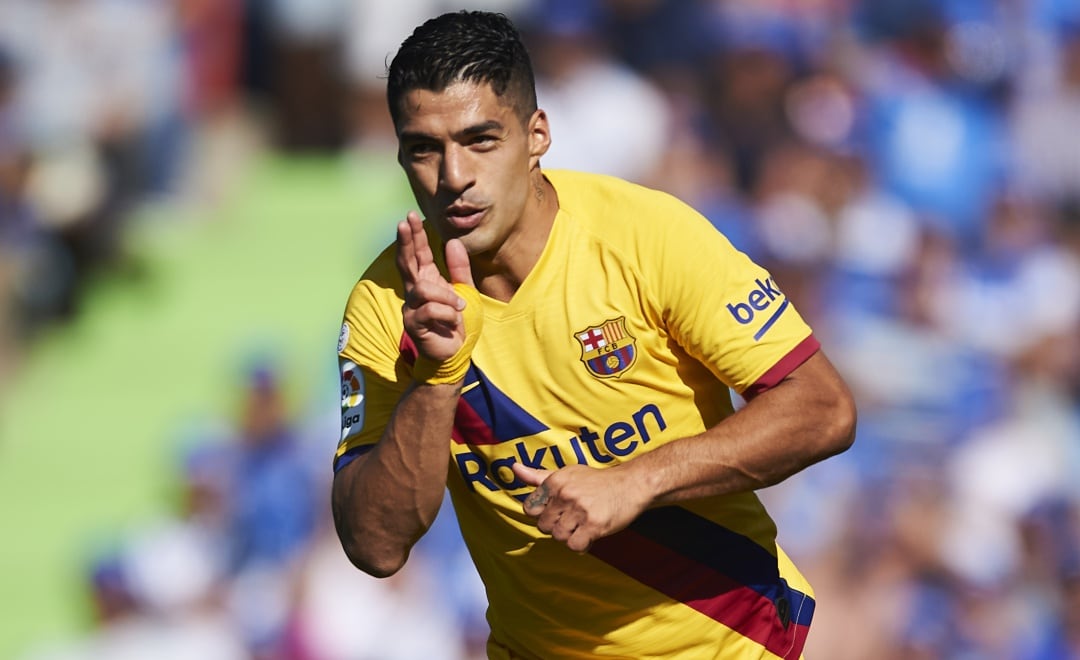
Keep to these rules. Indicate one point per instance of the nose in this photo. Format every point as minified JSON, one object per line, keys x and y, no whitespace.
{"x":456,"y":173}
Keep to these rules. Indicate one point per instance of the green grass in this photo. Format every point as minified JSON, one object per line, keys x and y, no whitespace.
{"x":89,"y":428}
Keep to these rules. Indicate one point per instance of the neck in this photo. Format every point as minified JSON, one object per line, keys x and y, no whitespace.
{"x":500,"y":275}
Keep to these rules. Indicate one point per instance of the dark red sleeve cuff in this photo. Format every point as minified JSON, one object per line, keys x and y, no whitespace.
{"x":783,"y":367}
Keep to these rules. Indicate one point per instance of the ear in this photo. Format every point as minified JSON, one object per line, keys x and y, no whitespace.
{"x":539,"y":137}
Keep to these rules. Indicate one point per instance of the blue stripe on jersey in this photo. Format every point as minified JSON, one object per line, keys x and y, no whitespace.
{"x":724,"y":551}
{"x":351,"y":455}
{"x":772,"y":319}
{"x":506,"y":419}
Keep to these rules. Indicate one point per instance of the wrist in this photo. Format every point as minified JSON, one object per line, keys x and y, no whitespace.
{"x":643,"y":482}
{"x":453,"y":369}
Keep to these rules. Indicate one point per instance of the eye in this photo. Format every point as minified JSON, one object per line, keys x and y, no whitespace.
{"x":419,"y":149}
{"x":483,"y":140}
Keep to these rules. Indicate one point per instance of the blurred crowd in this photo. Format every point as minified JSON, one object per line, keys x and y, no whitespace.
{"x":907,"y":169}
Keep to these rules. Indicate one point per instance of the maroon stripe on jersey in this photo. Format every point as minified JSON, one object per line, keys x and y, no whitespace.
{"x":470,"y":428}
{"x":484,"y":416}
{"x":408,"y":349}
{"x":796,"y":356}
{"x":466,"y":422}
{"x":702,"y":588}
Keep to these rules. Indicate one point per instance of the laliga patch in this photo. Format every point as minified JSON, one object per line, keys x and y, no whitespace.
{"x":343,"y":338}
{"x":607,"y":349}
{"x":352,"y":399}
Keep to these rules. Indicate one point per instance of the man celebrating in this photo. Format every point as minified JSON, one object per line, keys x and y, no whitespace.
{"x":558,"y":349}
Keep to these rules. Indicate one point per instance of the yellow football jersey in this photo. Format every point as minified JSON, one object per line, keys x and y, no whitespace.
{"x":627,"y":335}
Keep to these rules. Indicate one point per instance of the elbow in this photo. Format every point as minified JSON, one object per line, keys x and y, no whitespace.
{"x":379,"y":568}
{"x":372,"y":555}
{"x":364,"y":543}
{"x":842,"y":419}
{"x":379,"y":565}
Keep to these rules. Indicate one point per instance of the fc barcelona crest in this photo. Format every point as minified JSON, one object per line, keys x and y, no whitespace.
{"x":607,"y":349}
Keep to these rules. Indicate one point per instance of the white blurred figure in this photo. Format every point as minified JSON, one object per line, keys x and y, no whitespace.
{"x":1023,"y":290}
{"x":1043,"y":121}
{"x":344,"y":614}
{"x":91,"y":67}
{"x":607,"y":118}
{"x":1002,"y":472}
{"x":99,"y":80}
{"x":148,"y":602}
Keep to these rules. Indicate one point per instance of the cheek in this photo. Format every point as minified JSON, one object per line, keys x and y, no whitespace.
{"x":422,"y":185}
{"x":514,"y":178}
{"x":514,"y":191}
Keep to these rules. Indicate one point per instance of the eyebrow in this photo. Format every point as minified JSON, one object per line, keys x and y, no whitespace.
{"x":476,"y":129}
{"x":484,"y":127}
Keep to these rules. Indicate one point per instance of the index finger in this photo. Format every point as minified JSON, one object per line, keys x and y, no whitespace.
{"x":413,"y":248}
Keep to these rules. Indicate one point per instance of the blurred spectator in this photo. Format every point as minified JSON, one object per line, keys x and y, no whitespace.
{"x":666,"y":40}
{"x":936,"y":137}
{"x":128,"y":626}
{"x":307,"y":91}
{"x":218,"y":123}
{"x":747,"y":81}
{"x":272,"y":511}
{"x":373,"y":31}
{"x":37,"y":278}
{"x":587,"y":94}
{"x":270,"y":492}
{"x":88,"y":88}
{"x":1047,"y":162}
{"x":1050,"y":542}
{"x":1019,"y":290}
{"x":343,"y":614}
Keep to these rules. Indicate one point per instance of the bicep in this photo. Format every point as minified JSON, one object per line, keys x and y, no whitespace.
{"x":815,"y":399}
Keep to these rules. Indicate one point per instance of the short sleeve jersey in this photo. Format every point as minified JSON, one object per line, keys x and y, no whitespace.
{"x":630,"y":332}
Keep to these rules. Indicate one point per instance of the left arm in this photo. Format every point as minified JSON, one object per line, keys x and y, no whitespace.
{"x":805,"y":418}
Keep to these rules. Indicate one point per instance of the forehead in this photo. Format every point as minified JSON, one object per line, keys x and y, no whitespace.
{"x":460,"y":105}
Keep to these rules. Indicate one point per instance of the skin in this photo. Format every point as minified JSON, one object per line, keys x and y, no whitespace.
{"x":474,"y":168}
{"x":465,"y":150}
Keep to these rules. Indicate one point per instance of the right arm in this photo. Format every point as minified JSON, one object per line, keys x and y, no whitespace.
{"x":386,"y":499}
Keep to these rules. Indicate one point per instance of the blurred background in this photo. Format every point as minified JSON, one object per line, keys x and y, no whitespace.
{"x":189,"y":189}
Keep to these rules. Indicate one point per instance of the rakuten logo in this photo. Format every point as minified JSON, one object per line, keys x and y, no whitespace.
{"x":588,"y":447}
{"x":759,"y":300}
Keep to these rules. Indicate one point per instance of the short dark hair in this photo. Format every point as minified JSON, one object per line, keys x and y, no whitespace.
{"x":464,"y":46}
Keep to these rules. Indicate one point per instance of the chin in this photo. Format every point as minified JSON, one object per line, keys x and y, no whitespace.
{"x":476,"y":242}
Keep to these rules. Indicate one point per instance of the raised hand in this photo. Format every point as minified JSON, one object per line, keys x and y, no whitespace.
{"x":578,"y":504}
{"x":433,"y":310}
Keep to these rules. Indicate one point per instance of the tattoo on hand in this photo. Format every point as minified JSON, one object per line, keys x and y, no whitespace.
{"x":539,"y":497}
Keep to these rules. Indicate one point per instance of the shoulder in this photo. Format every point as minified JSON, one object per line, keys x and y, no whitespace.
{"x":579,"y":190}
{"x":612,"y":204}
{"x":379,"y":287}
{"x":630,"y":217}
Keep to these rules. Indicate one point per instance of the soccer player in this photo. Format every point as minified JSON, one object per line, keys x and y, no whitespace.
{"x":557,"y":348}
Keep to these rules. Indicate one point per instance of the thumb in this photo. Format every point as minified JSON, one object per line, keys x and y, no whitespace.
{"x":531,"y":476}
{"x":457,"y":263}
